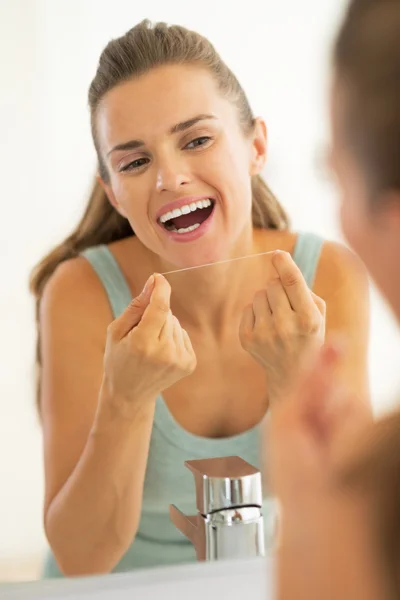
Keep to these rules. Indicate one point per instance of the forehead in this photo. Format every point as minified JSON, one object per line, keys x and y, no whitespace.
{"x":148,"y":106}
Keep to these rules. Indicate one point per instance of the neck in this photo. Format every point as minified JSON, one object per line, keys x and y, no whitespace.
{"x":207,"y":297}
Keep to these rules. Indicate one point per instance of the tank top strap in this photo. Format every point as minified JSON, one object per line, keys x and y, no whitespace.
{"x":109,"y":272}
{"x":306,"y":255}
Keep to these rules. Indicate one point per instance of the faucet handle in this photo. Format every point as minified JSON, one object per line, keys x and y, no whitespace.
{"x":225,"y":482}
{"x":189,"y":526}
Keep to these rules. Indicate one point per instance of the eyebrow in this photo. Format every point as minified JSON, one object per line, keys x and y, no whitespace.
{"x":133,"y":144}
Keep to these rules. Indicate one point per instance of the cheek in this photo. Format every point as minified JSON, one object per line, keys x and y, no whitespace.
{"x":362,"y":236}
{"x":355,"y":228}
{"x":354,"y":223}
{"x":131,"y":197}
{"x":231,"y":176}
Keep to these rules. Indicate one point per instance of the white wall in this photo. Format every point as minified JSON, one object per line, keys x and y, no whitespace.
{"x":279,"y":50}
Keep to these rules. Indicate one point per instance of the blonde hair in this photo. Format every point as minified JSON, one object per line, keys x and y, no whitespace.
{"x":142,"y":48}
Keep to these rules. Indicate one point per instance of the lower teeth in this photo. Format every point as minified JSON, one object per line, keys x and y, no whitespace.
{"x":185,"y":229}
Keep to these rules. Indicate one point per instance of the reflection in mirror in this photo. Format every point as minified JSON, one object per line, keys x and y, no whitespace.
{"x":127,"y":397}
{"x":198,"y":411}
{"x":229,"y":522}
{"x":190,"y":369}
{"x":129,"y":391}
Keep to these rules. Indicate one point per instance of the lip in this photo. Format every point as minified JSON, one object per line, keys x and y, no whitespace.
{"x":179,"y":203}
{"x":191,"y":236}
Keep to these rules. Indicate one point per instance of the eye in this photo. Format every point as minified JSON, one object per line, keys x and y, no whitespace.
{"x":198,"y":142}
{"x":135,"y":164}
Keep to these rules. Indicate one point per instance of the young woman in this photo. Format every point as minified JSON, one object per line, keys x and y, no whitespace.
{"x":130,"y":389}
{"x":338,"y":478}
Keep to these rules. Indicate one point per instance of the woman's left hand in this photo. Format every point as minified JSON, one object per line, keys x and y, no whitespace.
{"x":285,"y":322}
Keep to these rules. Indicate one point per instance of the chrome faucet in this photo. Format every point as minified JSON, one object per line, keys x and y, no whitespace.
{"x":229,"y":522}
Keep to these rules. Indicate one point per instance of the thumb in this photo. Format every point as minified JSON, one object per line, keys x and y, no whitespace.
{"x":134,"y":311}
{"x":158,"y":309}
{"x":319,"y":303}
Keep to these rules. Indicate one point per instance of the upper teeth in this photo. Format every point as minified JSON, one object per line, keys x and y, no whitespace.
{"x":185,"y":210}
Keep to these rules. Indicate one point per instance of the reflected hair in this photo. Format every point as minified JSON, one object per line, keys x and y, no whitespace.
{"x":367,"y":64}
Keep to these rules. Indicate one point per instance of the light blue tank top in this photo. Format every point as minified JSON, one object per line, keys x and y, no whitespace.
{"x":167,"y":480}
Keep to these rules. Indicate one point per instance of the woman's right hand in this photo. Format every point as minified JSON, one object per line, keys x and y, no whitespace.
{"x":147,"y":350}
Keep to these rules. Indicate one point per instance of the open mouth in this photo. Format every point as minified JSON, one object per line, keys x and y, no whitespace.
{"x":188,"y":217}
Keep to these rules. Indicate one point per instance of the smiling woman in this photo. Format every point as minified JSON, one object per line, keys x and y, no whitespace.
{"x":168,"y":161}
{"x":134,"y":380}
{"x":186,"y":215}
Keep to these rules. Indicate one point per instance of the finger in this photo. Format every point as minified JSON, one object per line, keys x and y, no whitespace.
{"x":246,"y":323}
{"x":348,"y":413}
{"x":261,"y":309}
{"x":134,"y":311}
{"x":293,"y":281}
{"x":177,"y":333}
{"x":187,"y":342}
{"x":158,"y":309}
{"x":309,"y":390}
{"x":331,"y":411}
{"x":277,"y":298}
{"x":319,"y":303}
{"x":167,"y":331}
{"x":316,"y":383}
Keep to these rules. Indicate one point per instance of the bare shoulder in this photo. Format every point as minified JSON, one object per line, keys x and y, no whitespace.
{"x":74,"y":317}
{"x":268,"y":240}
{"x":340,"y":271}
{"x":342,"y":281}
{"x":134,"y":260}
{"x":73,"y":292}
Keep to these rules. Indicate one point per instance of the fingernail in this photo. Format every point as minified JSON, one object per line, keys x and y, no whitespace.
{"x":148,"y":283}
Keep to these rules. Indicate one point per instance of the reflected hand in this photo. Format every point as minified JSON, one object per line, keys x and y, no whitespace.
{"x":311,"y":433}
{"x":309,"y":438}
{"x":283,"y":324}
{"x":147,"y":350}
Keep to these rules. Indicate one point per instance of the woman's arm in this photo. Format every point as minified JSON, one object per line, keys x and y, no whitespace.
{"x":95,"y":458}
{"x":286,"y":323}
{"x":98,"y":399}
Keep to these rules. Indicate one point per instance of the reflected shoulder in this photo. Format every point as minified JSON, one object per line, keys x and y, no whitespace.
{"x":268,"y":240}
{"x":72,"y":293}
{"x":340,"y":270}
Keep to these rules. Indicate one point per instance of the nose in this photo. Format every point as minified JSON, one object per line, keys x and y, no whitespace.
{"x":172,"y":173}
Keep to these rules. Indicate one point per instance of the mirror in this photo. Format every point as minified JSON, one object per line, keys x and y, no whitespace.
{"x":45,"y":194}
{"x":202,"y":415}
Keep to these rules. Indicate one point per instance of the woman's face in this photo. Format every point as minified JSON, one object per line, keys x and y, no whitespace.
{"x":179,"y":164}
{"x":373,"y":234}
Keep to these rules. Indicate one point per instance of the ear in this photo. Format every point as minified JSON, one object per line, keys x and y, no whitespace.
{"x":258,"y":147}
{"x":111,"y":196}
